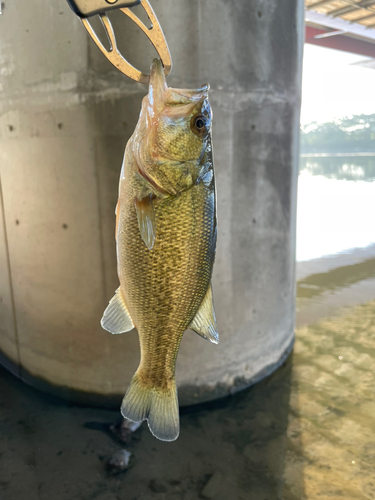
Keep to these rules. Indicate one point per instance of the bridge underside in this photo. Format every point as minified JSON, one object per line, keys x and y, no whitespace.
{"x":347,"y":25}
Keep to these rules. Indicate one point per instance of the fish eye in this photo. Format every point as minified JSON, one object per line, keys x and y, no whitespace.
{"x":200,"y":125}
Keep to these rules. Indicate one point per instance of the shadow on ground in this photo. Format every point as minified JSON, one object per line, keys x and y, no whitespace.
{"x":234,"y":448}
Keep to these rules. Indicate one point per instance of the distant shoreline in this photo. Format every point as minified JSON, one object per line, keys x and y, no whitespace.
{"x":334,"y":155}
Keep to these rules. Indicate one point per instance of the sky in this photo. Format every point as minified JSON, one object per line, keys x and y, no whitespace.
{"x":332,"y":87}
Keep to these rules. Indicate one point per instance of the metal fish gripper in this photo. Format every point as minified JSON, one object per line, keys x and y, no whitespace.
{"x":88,"y":8}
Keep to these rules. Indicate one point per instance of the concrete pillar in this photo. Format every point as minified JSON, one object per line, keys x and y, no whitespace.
{"x":65,"y":117}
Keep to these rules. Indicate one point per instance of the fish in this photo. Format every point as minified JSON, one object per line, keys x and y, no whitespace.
{"x":166,"y":231}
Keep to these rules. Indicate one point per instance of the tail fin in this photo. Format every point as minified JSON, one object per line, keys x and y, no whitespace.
{"x":158,"y":406}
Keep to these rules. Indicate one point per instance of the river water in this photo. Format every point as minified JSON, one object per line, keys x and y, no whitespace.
{"x":335,"y":233}
{"x":336,"y":204}
{"x":331,"y":426}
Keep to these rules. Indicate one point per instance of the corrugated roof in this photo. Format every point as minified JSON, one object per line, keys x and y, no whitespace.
{"x":356,"y":11}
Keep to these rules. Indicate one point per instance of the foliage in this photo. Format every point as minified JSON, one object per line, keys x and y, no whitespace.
{"x":352,"y":134}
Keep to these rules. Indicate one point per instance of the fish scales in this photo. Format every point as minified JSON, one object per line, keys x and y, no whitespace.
{"x":173,"y":277}
{"x":166,"y":239}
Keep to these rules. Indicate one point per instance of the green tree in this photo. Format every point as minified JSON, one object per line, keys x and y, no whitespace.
{"x":351,"y":134}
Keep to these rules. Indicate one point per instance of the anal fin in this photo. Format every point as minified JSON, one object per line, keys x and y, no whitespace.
{"x":116,"y":318}
{"x":204,"y":322}
{"x":146,"y":220}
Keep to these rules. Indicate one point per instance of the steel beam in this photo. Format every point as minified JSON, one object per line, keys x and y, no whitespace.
{"x":340,"y":42}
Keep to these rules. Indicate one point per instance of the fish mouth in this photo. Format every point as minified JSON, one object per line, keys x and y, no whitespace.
{"x":158,"y":86}
{"x":157,"y":75}
{"x":160,"y":95}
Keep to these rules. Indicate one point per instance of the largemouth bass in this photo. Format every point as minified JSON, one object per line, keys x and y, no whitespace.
{"x":166,"y":240}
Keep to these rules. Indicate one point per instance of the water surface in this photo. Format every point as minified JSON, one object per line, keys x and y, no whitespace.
{"x":336,"y":205}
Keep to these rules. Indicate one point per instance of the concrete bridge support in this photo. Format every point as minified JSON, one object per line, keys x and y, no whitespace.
{"x":65,"y":117}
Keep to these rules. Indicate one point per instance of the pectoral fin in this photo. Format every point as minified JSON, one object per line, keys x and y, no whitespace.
{"x":146,"y":220}
{"x":204,"y":322}
{"x":116,"y":318}
{"x":117,"y":212}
